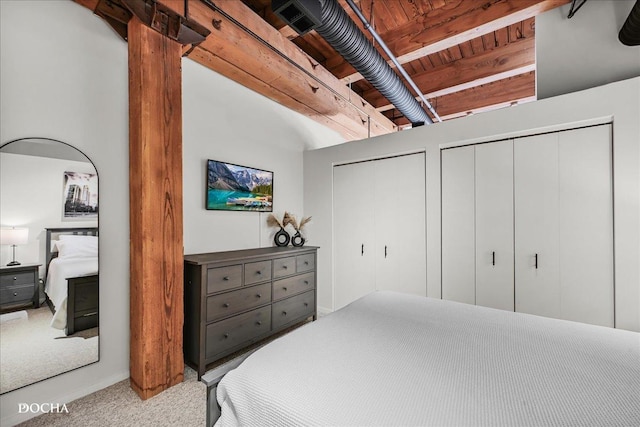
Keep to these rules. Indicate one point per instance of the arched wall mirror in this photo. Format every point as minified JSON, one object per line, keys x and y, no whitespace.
{"x":49,"y":281}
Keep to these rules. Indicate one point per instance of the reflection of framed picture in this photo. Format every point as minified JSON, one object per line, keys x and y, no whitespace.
{"x":80,"y":195}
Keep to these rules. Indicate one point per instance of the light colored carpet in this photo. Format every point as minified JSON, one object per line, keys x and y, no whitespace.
{"x":118,"y":405}
{"x":183,"y":405}
{"x":29,"y":341}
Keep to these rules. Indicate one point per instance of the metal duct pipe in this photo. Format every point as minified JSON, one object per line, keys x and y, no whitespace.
{"x":630,"y":32}
{"x":393,"y":58}
{"x":341,"y":32}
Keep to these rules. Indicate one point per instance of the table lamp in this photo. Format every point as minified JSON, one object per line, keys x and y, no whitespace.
{"x":14,"y":236}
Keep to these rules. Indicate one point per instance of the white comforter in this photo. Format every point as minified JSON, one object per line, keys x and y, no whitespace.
{"x":56,"y":287}
{"x":393,"y":359}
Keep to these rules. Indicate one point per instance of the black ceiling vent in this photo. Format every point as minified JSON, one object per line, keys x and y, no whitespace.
{"x":301,"y":15}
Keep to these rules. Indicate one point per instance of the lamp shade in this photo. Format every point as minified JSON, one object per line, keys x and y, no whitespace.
{"x":14,"y":236}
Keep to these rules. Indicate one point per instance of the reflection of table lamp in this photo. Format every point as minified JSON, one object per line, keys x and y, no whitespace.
{"x":13,"y":237}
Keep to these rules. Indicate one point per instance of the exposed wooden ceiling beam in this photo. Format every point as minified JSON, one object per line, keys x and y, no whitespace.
{"x":515,"y":90}
{"x":489,"y":66}
{"x":288,"y":75}
{"x":454,"y":23}
{"x":277,"y":69}
{"x":89,"y":4}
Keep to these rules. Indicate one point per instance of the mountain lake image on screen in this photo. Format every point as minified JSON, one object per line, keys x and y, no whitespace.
{"x":238,"y":188}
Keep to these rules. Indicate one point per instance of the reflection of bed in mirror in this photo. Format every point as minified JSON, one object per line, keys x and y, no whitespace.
{"x":71,"y":278}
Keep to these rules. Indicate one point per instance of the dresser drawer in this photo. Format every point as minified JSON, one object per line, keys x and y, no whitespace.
{"x":284,"y":267}
{"x":16,"y":294}
{"x":230,"y":303}
{"x":223,"y":278}
{"x":305,"y":263}
{"x":291,"y":309}
{"x":21,"y":278}
{"x":236,"y":331}
{"x":256,"y":272}
{"x":284,"y":288}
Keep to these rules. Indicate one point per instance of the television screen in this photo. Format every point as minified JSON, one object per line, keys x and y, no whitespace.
{"x":238,"y":188}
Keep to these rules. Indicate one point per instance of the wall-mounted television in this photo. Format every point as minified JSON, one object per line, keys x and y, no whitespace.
{"x":233,"y":187}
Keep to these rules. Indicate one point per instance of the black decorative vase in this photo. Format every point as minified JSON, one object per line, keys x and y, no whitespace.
{"x":297,"y":239}
{"x":281,"y":238}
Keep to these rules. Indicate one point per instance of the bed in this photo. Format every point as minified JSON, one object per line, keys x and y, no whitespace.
{"x":395,"y":359}
{"x":71,"y":278}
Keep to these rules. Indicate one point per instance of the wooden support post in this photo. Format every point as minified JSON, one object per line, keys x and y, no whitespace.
{"x":155,"y":174}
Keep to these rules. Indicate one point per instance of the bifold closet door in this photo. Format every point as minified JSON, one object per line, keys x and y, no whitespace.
{"x":564,"y":225}
{"x":477,"y":224}
{"x":353,"y":231}
{"x":458,"y":224}
{"x":399,"y":205}
{"x":494,"y":225}
{"x":586,"y":225}
{"x":537,"y":268}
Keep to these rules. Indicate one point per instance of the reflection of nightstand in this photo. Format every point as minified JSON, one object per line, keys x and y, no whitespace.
{"x":19,"y":286}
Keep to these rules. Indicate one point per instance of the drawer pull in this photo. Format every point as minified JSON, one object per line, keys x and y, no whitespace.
{"x":306,"y":263}
{"x":226,"y":335}
{"x":90,"y":314}
{"x":15,"y":278}
{"x":284,"y":313}
{"x":285,"y":266}
{"x":306,"y":304}
{"x":15,"y":294}
{"x":259,"y":323}
{"x":225,"y":305}
{"x":258,"y":272}
{"x":225,"y":278}
{"x":306,"y":282}
{"x":284,"y":288}
{"x":259,"y":295}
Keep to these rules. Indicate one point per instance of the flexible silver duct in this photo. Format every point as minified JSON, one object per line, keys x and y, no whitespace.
{"x":341,"y":32}
{"x":630,"y":32}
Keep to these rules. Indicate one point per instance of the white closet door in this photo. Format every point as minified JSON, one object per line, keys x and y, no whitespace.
{"x":494,"y":225}
{"x":458,"y":229}
{"x":586,"y":225}
{"x":354,"y":228}
{"x":537,"y":269}
{"x":399,"y":206}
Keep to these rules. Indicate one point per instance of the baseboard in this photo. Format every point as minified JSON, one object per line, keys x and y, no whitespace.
{"x":18,"y":418}
{"x":324,"y":311}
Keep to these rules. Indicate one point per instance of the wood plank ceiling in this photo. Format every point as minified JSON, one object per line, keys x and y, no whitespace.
{"x":466,"y":56}
{"x":462,"y":61}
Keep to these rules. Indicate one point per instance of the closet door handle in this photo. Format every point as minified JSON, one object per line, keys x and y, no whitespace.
{"x":362,"y":250}
{"x":385,"y":251}
{"x":493,"y":258}
{"x":536,"y":257}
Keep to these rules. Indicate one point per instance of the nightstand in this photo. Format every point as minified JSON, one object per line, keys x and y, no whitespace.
{"x":19,"y":286}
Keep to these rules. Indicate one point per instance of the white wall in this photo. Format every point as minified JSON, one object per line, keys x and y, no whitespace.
{"x":225,"y":121}
{"x":63,"y":75}
{"x":21,"y":206}
{"x":619,"y":102}
{"x":584,"y":51}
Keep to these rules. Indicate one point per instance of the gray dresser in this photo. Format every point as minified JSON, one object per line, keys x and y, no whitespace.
{"x":233,"y":299}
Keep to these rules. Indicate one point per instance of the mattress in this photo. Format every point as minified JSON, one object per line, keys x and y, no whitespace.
{"x":394,"y":359}
{"x":56,"y":287}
